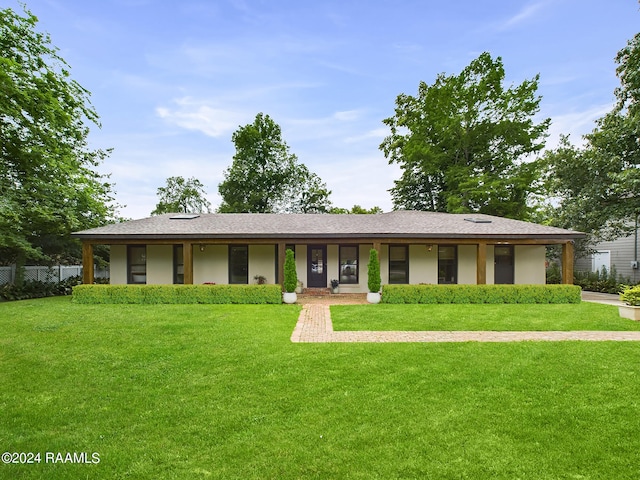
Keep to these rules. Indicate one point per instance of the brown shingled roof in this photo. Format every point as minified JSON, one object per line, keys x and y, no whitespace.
{"x":397,"y":224}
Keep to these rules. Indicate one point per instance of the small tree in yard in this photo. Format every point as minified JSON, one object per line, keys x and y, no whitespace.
{"x":290,"y":274}
{"x":373,"y":267}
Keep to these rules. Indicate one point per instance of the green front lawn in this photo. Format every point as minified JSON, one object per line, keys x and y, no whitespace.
{"x":197,"y":391}
{"x":582,"y":316}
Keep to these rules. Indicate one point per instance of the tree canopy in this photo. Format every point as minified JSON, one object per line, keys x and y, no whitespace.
{"x":48,"y":185}
{"x":597,"y":186}
{"x":266,"y":178}
{"x":464,"y":143}
{"x":356,"y":209}
{"x":182,"y":196}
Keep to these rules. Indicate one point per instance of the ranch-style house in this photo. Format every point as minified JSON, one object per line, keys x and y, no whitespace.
{"x":414,"y":247}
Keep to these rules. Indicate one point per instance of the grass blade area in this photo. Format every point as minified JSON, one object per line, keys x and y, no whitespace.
{"x":583,"y":316}
{"x":198,"y":391}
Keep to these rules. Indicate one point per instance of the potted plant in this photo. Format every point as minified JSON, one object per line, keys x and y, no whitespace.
{"x":335,"y":284}
{"x":631,"y":297}
{"x":373,"y":274}
{"x":299,"y":287}
{"x":290,"y":278}
{"x":260,"y":279}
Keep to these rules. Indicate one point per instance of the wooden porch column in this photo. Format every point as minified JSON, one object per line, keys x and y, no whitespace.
{"x":87,"y":263}
{"x":187,"y":259}
{"x":567,"y":263}
{"x":481,"y":265}
{"x":282,"y":253}
{"x":376,"y":246}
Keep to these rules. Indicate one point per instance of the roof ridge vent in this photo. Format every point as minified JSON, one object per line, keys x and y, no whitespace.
{"x":477,"y":220}
{"x":184,"y":216}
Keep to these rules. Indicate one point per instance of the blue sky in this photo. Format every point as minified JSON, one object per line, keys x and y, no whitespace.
{"x":172,"y":81}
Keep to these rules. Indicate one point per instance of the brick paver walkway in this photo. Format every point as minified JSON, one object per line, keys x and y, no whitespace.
{"x":314,"y":326}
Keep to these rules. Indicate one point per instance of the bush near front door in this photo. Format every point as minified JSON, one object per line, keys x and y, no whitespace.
{"x":290,"y":274}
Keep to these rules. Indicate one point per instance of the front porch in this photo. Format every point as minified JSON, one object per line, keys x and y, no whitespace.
{"x":409,"y":261}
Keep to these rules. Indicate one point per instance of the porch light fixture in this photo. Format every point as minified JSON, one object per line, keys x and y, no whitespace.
{"x":202,"y":246}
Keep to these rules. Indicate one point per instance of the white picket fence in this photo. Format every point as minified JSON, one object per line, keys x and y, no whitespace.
{"x":42,"y":273}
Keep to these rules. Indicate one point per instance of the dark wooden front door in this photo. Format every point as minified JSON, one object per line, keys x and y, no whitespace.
{"x":503,"y":256}
{"x":317,"y":266}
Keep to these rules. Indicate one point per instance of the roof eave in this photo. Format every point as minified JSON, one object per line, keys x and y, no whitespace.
{"x":281,"y":236}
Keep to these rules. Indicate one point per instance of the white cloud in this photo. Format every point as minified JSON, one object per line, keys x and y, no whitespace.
{"x":526,"y":13}
{"x":363,"y":181}
{"x":136,"y":184}
{"x":195,"y":115}
{"x":347,"y":116}
{"x":575,"y":124}
{"x":377,"y":133}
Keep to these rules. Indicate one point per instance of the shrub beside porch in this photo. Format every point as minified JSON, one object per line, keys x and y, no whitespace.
{"x":177,"y":294}
{"x":481,"y":294}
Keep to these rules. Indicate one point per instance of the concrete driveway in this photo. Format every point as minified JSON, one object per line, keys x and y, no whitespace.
{"x":607,"y":298}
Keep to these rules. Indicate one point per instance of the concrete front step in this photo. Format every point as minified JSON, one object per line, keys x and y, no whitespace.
{"x":333,"y":299}
{"x":316,"y":291}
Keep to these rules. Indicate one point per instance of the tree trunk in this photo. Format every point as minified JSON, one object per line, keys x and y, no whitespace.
{"x":21,"y":260}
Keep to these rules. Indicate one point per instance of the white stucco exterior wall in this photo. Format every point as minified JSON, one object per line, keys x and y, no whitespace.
{"x":333,"y":261}
{"x":423,"y":264}
{"x":529,"y":265}
{"x":118,"y":264}
{"x":212,"y":265}
{"x":301,"y":264}
{"x":384,"y":264}
{"x":467,"y":264}
{"x":159,"y":264}
{"x":262,"y":261}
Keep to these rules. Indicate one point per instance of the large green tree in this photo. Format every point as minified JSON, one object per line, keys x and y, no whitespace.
{"x":266,"y":178}
{"x":48,"y":183}
{"x":597,"y":186}
{"x":180,"y":195}
{"x":464,"y":144}
{"x":356,"y":209}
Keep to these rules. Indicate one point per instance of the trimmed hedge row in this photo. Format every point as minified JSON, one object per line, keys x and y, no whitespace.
{"x":481,"y":294}
{"x":179,"y":294}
